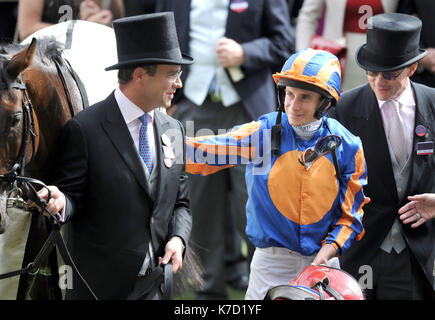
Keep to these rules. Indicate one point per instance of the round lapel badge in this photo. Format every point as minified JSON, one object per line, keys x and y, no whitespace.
{"x":420,"y":130}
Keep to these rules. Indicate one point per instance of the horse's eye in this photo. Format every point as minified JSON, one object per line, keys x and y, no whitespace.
{"x":15,"y":120}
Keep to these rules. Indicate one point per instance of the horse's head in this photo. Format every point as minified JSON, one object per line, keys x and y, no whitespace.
{"x":12,"y":118}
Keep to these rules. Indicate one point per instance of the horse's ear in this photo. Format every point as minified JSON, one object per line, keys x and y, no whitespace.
{"x":20,"y":61}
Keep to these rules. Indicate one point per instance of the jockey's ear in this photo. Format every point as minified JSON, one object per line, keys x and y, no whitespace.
{"x":20,"y":61}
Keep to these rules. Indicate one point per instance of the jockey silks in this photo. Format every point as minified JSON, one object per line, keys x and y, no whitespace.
{"x":289,"y":205}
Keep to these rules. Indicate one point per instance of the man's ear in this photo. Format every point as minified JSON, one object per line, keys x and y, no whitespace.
{"x":412,"y":68}
{"x":138,"y":73}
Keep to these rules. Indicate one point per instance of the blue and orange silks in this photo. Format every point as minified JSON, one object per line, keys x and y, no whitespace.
{"x":290,"y":206}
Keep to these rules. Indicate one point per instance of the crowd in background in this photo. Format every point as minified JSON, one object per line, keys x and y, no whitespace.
{"x":340,"y":24}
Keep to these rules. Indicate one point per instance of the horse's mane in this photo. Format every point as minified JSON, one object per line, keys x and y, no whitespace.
{"x":47,"y":48}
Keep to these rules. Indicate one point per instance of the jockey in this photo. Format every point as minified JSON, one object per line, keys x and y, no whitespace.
{"x":305,"y":173}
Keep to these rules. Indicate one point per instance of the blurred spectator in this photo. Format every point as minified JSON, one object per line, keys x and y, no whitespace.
{"x":8,"y":20}
{"x":34,"y":15}
{"x":135,"y":7}
{"x":425,"y":10}
{"x":344,"y":22}
{"x":293,"y":7}
{"x":235,"y":44}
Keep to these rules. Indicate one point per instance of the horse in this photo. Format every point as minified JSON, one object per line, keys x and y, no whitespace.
{"x":38,"y":95}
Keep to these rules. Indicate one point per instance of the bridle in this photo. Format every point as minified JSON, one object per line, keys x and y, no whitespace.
{"x":29,"y":127}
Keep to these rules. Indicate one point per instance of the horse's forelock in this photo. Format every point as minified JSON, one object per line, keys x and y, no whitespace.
{"x":49,"y":48}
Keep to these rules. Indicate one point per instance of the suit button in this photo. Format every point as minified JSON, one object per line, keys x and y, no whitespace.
{"x":152,"y":220}
{"x":304,"y":195}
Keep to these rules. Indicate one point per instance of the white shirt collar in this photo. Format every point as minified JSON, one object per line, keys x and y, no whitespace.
{"x":130,"y":112}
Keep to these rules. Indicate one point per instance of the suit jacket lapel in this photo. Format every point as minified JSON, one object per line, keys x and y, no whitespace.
{"x":160,"y":127}
{"x":117,"y":131}
{"x":369,"y":126}
{"x":424,"y":117}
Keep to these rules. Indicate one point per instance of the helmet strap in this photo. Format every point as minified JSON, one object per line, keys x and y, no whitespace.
{"x":276,"y":129}
{"x":276,"y":135}
{"x":322,"y":109}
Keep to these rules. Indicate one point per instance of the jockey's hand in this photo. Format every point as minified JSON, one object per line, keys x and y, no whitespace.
{"x":57,"y":200}
{"x":325,"y":253}
{"x":174,"y":253}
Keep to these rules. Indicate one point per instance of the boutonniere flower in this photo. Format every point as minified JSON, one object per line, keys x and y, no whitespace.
{"x":168,"y":152}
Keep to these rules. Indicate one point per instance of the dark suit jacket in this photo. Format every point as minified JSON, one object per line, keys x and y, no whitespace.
{"x":110,"y":210}
{"x":263,"y":30}
{"x":358,"y":111}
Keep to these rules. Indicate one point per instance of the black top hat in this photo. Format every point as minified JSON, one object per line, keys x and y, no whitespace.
{"x":147,"y":39}
{"x":392,"y":43}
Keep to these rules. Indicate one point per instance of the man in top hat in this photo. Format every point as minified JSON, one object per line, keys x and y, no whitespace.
{"x":395,"y":118}
{"x":123,"y":188}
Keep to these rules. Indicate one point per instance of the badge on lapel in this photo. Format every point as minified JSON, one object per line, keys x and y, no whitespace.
{"x":421,"y":131}
{"x":239,"y":6}
{"x":168,"y":152}
{"x":424,"y":148}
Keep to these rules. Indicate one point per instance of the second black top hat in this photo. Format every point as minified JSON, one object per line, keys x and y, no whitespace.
{"x":392,"y":43}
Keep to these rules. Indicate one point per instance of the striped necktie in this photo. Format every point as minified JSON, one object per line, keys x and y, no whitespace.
{"x":144,"y":145}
